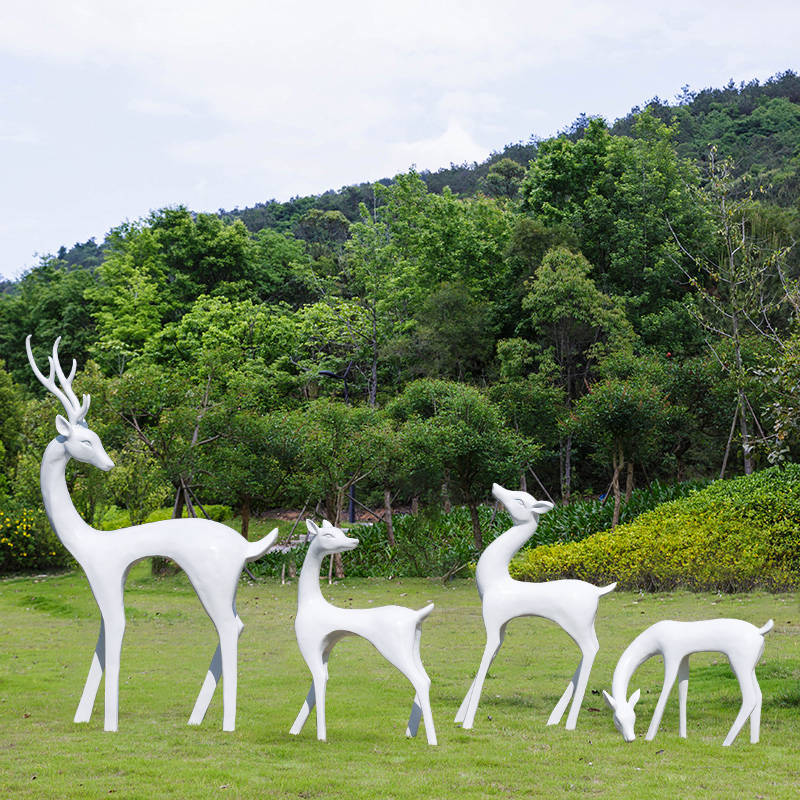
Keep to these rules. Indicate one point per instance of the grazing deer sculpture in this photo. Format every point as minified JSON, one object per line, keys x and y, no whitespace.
{"x":740,"y":641}
{"x":393,"y":630}
{"x":211,"y":554}
{"x":570,"y":604}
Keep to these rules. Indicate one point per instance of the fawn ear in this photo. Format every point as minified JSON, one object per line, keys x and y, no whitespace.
{"x":312,"y":528}
{"x":634,"y":698}
{"x":610,"y":702}
{"x":62,"y":426}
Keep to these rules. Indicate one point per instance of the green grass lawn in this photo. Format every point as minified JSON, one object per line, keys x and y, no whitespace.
{"x":48,"y":628}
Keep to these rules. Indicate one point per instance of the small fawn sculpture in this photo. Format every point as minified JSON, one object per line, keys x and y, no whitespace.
{"x":394,"y":631}
{"x":569,"y":603}
{"x":740,"y":641}
{"x":211,"y":554}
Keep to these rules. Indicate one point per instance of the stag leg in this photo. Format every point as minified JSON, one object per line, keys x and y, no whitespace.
{"x":494,"y":639}
{"x":683,"y":692}
{"x":84,"y":712}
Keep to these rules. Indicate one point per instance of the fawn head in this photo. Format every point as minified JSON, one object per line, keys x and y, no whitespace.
{"x":624,"y":715}
{"x":520,"y":505}
{"x":330,"y":539}
{"x":79,"y":442}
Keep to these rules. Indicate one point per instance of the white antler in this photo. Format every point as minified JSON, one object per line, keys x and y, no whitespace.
{"x":76,"y":411}
{"x":570,"y":604}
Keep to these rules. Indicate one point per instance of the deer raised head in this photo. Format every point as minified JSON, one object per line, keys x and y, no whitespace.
{"x":211,"y":554}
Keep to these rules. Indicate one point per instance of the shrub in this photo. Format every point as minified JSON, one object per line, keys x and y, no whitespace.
{"x":28,"y":544}
{"x":583,"y":518}
{"x":431,"y":544}
{"x":116,"y":518}
{"x":732,"y":536}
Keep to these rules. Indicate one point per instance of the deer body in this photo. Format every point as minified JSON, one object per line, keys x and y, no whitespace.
{"x":394,"y":631}
{"x":211,"y":554}
{"x":570,"y":604}
{"x":740,"y":641}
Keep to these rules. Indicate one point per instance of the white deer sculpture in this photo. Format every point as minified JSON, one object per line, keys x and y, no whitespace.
{"x":569,"y":603}
{"x":740,"y":641}
{"x":394,"y":631}
{"x":211,"y":554}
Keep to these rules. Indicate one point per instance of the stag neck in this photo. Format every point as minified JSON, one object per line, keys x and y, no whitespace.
{"x":64,"y":519}
{"x":508,"y":544}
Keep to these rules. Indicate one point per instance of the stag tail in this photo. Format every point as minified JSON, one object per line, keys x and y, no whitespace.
{"x":257,"y":549}
{"x":608,"y":589}
{"x":766,"y":629}
{"x":424,"y":613}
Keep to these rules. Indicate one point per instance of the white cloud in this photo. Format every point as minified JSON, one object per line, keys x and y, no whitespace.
{"x":157,"y":108}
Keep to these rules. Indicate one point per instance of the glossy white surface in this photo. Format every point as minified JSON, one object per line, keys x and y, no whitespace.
{"x":740,"y":641}
{"x":393,"y":630}
{"x":570,"y":604}
{"x":211,"y":554}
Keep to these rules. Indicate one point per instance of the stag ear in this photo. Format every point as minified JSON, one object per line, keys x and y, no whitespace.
{"x":610,"y":702}
{"x":312,"y":528}
{"x":62,"y":426}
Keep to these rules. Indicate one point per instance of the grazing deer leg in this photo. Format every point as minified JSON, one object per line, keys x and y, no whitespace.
{"x":86,"y":705}
{"x":755,"y":717}
{"x":750,"y":699}
{"x":683,"y":693}
{"x":670,"y":674}
{"x":207,"y":691}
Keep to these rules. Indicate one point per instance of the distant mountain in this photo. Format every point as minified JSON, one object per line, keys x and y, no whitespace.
{"x":756,"y":124}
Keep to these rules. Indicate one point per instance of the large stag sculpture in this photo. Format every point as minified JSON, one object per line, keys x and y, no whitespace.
{"x":211,"y":554}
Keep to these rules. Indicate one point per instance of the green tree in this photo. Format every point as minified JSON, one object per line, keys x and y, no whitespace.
{"x":459,"y":430}
{"x":574,"y":324}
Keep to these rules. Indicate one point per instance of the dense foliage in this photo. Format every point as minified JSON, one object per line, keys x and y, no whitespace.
{"x":732,"y":536}
{"x":583,"y":316}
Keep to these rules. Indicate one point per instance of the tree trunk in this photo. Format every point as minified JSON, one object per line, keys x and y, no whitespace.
{"x":415,"y":505}
{"x":446,"y":504}
{"x":477,"y":535}
{"x":245,"y":512}
{"x":629,"y":483}
{"x":566,"y":468}
{"x":617,"y":459}
{"x":387,"y":515}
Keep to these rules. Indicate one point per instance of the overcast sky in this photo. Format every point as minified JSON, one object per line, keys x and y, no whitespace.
{"x":111,"y":109}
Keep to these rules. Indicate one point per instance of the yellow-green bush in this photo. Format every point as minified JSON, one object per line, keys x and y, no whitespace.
{"x":27,"y":543}
{"x":732,"y":536}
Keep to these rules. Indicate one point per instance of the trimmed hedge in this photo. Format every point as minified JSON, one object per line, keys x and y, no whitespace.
{"x":734,"y":535}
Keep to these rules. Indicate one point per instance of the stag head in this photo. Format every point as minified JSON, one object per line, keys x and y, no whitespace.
{"x":79,"y":442}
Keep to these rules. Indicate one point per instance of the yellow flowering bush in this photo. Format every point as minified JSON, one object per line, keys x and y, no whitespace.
{"x":732,"y":536}
{"x":27,"y":543}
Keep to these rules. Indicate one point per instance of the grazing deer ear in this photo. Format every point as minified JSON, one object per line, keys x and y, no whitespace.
{"x":634,"y":698}
{"x":62,"y":426}
{"x":610,"y":702}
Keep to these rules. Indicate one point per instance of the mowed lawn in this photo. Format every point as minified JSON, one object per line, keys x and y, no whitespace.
{"x":48,"y":629}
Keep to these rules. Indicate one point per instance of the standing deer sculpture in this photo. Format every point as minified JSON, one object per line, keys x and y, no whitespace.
{"x":212,"y":555}
{"x":742,"y":642}
{"x":569,"y":603}
{"x":394,"y":631}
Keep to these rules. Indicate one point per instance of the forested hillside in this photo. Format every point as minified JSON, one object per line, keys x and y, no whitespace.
{"x":587,"y":313}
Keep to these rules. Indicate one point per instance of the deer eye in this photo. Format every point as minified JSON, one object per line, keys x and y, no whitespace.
{"x":86,"y":442}
{"x":328,"y":535}
{"x":519,"y":500}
